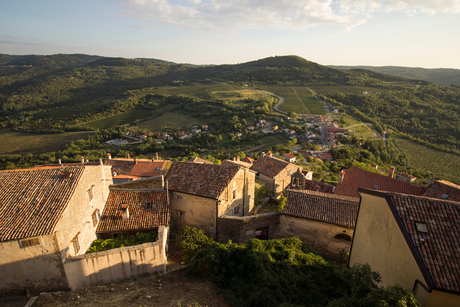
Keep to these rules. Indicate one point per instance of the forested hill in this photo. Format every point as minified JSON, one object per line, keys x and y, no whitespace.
{"x":444,"y":76}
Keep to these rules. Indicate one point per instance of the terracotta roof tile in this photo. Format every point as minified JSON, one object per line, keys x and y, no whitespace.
{"x":140,"y":218}
{"x":269,"y":166}
{"x":355,"y":178}
{"x":440,"y":248}
{"x":327,"y":208}
{"x":248,"y":160}
{"x":237,"y":163}
{"x":136,"y":167}
{"x":441,"y":187}
{"x":312,"y":185}
{"x":199,"y":160}
{"x":32,"y":201}
{"x":206,"y":180}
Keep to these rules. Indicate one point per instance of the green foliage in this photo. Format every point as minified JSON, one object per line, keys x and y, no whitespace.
{"x":107,"y":244}
{"x":285,"y":272}
{"x":282,"y":202}
{"x":190,"y":240}
{"x":261,"y":191}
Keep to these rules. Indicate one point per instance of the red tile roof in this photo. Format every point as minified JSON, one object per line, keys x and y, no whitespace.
{"x":439,"y":248}
{"x":325,"y":155}
{"x":269,"y":166}
{"x":136,"y":167}
{"x":32,"y":201}
{"x":140,"y":218}
{"x":322,"y":207}
{"x":248,"y":160}
{"x":312,"y":185}
{"x":199,"y":160}
{"x":237,"y":163}
{"x":289,"y":155}
{"x":355,"y":178}
{"x":207,"y":180}
{"x":337,"y":130}
{"x":441,"y":187}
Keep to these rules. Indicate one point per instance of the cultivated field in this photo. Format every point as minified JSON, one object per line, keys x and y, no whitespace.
{"x":428,"y":159}
{"x":23,"y":143}
{"x":320,"y":89}
{"x":297,"y":99}
{"x":119,"y":119}
{"x":171,"y":120}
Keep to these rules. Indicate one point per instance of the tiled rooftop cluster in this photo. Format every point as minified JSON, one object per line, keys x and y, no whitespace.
{"x":236,"y":163}
{"x":269,"y":166}
{"x":136,"y":167}
{"x":140,"y":218}
{"x":206,"y":180}
{"x":327,"y":208}
{"x":355,"y":178}
{"x":32,"y":201}
{"x":440,"y":247}
{"x":199,"y":160}
{"x":318,"y":186}
{"x":444,"y":190}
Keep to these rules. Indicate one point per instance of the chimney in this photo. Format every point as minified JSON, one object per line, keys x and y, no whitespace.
{"x":263,"y":153}
{"x":127,"y":156}
{"x":59,"y":161}
{"x":125,"y":212}
{"x":109,"y":156}
{"x":82,"y":160}
{"x":135,"y":161}
{"x":392,"y":172}
{"x":156,"y":156}
{"x":100,"y":162}
{"x":270,"y":154}
{"x":237,"y":158}
{"x":341,"y":176}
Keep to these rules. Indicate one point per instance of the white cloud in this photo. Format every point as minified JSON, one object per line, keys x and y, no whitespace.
{"x":276,"y":14}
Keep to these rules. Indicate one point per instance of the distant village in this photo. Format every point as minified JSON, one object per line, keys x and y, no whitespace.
{"x":51,"y":214}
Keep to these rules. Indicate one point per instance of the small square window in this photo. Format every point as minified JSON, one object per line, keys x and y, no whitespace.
{"x":376,"y":186}
{"x":421,"y":227}
{"x":148,"y":205}
{"x":75,"y":244}
{"x":90,"y":193}
{"x":95,"y":216}
{"x":236,"y":210}
{"x":444,"y":196}
{"x":178,"y":197}
{"x":181,"y":216}
{"x":234,"y":194}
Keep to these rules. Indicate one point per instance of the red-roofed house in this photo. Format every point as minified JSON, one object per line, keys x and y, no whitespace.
{"x":248,"y":160}
{"x":405,"y":177}
{"x":337,"y":130}
{"x":443,"y":190}
{"x":200,"y":193}
{"x":325,"y":221}
{"x":125,"y":170}
{"x":129,"y":211}
{"x":411,"y":241}
{"x":47,"y":214}
{"x":289,"y":157}
{"x":275,"y":173}
{"x":352,"y":179}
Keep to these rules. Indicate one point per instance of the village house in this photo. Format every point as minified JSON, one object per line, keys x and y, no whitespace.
{"x":140,"y":206}
{"x":418,"y":248}
{"x":275,"y":173}
{"x":201,"y":193}
{"x":405,"y":177}
{"x":125,"y":170}
{"x":289,"y":157}
{"x":236,"y":161}
{"x":352,"y":179}
{"x":248,"y":160}
{"x":325,"y":221}
{"x":444,"y":190}
{"x":48,"y":214}
{"x":198,"y":160}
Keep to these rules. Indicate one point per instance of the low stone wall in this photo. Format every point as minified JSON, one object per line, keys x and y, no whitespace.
{"x":239,"y":229}
{"x":118,"y":264}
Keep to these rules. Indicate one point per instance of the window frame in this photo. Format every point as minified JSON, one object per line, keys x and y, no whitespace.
{"x":75,"y":242}
{"x":96,"y":216}
{"x":236,"y":210}
{"x":90,"y":193}
{"x":29,"y":241}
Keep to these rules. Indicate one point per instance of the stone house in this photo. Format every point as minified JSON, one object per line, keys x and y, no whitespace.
{"x":201,"y":193}
{"x":412,"y":241}
{"x":125,"y":170}
{"x":405,"y":177}
{"x":289,"y":157}
{"x":48,"y":214}
{"x":325,"y":221}
{"x":131,"y":208}
{"x":275,"y":173}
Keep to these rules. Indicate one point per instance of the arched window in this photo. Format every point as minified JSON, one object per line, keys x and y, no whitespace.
{"x":342,"y":236}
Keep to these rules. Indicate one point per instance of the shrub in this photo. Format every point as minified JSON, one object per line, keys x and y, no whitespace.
{"x":191,"y":240}
{"x":107,"y":244}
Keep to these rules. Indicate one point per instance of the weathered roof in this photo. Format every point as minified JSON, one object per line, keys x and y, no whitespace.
{"x":270,"y":166}
{"x":312,"y":185}
{"x":355,"y":178}
{"x":207,"y":180}
{"x":237,"y":163}
{"x":140,"y":218}
{"x":248,"y":160}
{"x":32,"y":201}
{"x":439,"y":188}
{"x":136,"y":167}
{"x":322,"y":207}
{"x":439,"y":248}
{"x":289,"y":155}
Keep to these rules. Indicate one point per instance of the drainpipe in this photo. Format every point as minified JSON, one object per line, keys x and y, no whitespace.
{"x":217,"y":219}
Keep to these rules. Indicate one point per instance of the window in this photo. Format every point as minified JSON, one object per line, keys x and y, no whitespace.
{"x":342,"y":236}
{"x":30,"y":242}
{"x":421,"y":227}
{"x":90,"y":193}
{"x":75,"y":244}
{"x":234,"y":194}
{"x":116,"y":235}
{"x":148,"y":205}
{"x":96,"y":216}
{"x":181,"y":216}
{"x":176,"y":196}
{"x":236,"y":210}
{"x":444,"y":196}
{"x":376,"y":186}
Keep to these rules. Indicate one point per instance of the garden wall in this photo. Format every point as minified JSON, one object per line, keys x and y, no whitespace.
{"x":118,"y":264}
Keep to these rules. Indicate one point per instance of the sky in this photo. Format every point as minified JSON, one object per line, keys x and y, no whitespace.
{"x":413,"y":33}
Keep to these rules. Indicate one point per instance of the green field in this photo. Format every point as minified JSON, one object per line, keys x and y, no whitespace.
{"x":24,"y":143}
{"x":298,"y":99}
{"x":365,"y":131}
{"x":428,"y":159}
{"x":119,"y":119}
{"x":320,"y":89}
{"x":171,"y":120}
